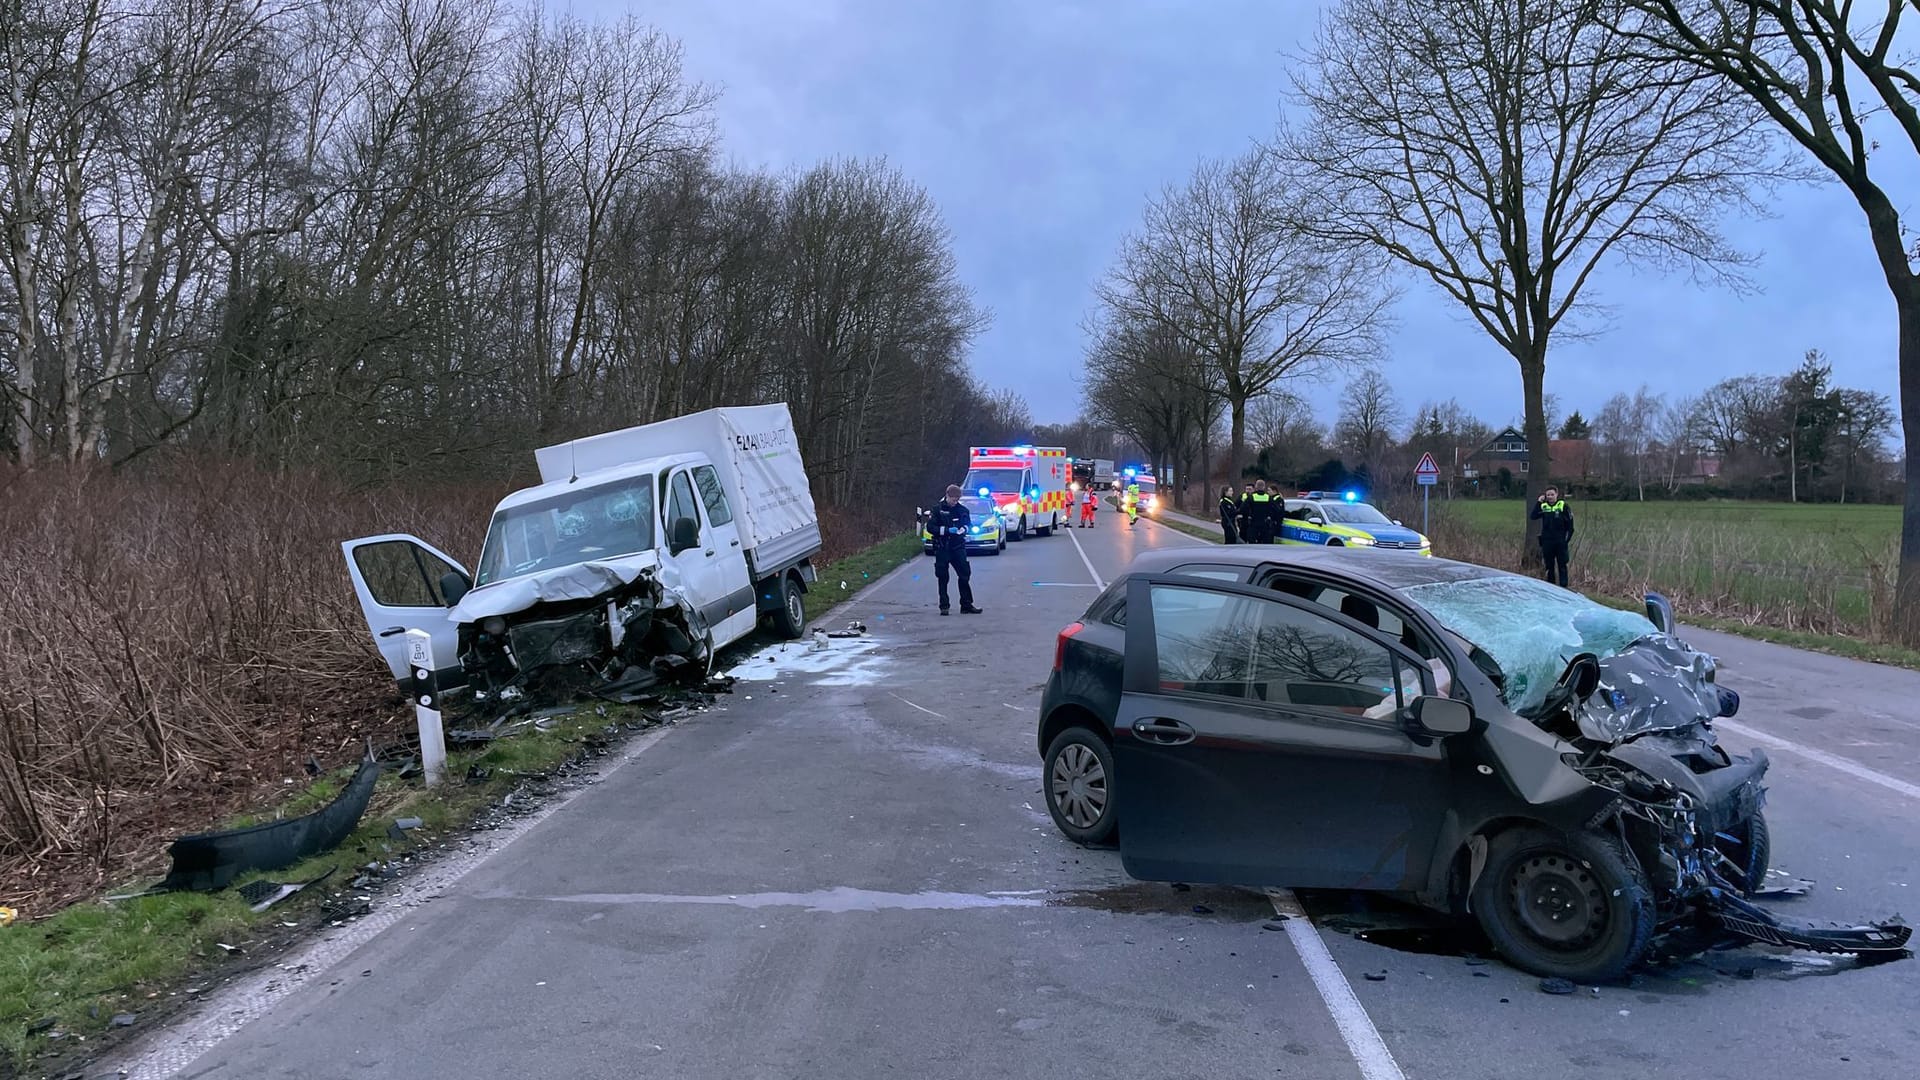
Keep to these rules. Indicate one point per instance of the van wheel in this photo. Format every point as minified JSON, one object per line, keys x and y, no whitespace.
{"x":1020,"y":531}
{"x":1573,"y":906}
{"x":790,"y":618}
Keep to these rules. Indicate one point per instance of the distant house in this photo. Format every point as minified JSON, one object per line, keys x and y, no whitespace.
{"x":1507,"y":450}
{"x":1572,"y":459}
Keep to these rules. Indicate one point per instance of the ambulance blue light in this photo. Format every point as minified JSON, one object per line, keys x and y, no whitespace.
{"x":983,"y":492}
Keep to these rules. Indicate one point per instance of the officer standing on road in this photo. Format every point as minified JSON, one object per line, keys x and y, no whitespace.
{"x":1556,"y":533}
{"x":1229,"y":516}
{"x":949,"y":524}
{"x":1257,"y":508}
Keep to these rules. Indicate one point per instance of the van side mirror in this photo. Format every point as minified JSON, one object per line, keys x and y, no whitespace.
{"x":454,"y":585}
{"x":685,"y":535}
{"x":1442,"y":715}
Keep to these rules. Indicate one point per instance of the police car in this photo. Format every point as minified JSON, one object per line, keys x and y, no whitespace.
{"x":1340,"y":519}
{"x":989,"y":535}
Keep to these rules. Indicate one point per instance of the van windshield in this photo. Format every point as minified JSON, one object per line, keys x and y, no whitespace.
{"x":994,"y":480}
{"x":604,"y":521}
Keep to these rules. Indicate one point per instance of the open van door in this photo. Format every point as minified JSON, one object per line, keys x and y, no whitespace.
{"x":405,"y":583}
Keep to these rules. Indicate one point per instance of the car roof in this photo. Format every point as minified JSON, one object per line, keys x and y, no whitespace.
{"x":1389,"y":570}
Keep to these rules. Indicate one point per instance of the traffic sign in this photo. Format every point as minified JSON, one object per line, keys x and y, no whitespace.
{"x":1427,"y":472}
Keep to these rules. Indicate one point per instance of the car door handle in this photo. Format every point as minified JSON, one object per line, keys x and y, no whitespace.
{"x":392,"y":630}
{"x":1163,"y":732}
{"x":709,"y":553}
{"x":736,"y":543}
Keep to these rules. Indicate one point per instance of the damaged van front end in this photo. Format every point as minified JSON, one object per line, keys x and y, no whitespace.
{"x":578,"y":628}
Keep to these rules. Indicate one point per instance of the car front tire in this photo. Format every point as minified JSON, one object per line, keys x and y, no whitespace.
{"x":1564,"y":906}
{"x":1077,"y":777}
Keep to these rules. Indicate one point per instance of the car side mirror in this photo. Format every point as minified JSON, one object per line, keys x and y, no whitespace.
{"x":1442,"y":715}
{"x":454,"y":585}
{"x":686,"y":534}
{"x":1660,"y":613}
{"x":1396,"y":521}
{"x":1315,"y":519}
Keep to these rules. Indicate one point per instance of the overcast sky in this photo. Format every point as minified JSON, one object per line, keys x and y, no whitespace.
{"x":1041,"y":126}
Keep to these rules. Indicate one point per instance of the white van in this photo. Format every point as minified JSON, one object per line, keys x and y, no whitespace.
{"x":651,"y":546}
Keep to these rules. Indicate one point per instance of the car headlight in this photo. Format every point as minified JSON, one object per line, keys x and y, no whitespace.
{"x":1360,"y":541}
{"x":1425,"y":543}
{"x":493,"y":625}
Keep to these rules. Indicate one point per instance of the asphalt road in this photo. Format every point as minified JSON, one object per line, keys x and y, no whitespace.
{"x":848,"y":872}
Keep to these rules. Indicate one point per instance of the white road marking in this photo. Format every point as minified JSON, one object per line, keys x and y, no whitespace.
{"x":1363,"y":1040}
{"x":1066,"y":585}
{"x":1831,"y":761}
{"x":1098,"y":581}
{"x":922,"y":708}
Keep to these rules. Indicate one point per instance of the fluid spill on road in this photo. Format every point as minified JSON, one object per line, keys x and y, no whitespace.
{"x":1148,"y":898}
{"x":844,"y":662}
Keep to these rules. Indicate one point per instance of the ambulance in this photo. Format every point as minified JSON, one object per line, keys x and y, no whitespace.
{"x":1028,"y":483}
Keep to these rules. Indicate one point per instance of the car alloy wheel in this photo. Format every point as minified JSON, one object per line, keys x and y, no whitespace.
{"x":1079,"y":786}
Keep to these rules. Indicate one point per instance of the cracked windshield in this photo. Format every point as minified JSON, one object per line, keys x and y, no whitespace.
{"x":1338,"y":539}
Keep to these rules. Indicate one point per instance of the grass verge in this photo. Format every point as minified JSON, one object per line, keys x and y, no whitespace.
{"x":74,"y":972}
{"x":1832,"y":644}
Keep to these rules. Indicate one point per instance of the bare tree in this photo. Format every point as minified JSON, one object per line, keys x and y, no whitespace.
{"x":1223,"y":263}
{"x":1369,"y":415}
{"x":1677,"y":429}
{"x":1825,"y":72}
{"x":1506,"y":149}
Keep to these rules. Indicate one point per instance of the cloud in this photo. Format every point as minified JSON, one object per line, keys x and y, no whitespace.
{"x":1041,"y":128}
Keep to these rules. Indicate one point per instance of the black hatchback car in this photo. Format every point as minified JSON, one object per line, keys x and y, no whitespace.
{"x":1478,"y":742}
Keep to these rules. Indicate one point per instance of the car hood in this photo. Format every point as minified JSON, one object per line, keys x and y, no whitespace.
{"x":575,"y":581}
{"x":1398,"y":534}
{"x":1656,"y":683}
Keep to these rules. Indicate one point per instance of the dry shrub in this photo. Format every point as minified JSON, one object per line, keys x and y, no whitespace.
{"x":181,"y":640}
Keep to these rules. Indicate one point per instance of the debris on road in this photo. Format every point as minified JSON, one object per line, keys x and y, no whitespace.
{"x":402,"y":826}
{"x":1556,"y":986}
{"x":261,"y":895}
{"x":1374,"y":976}
{"x":121,"y":1020}
{"x":1800,"y":887}
{"x":1273,"y":925}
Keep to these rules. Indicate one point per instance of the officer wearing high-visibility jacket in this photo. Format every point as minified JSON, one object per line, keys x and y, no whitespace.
{"x":948,"y":523}
{"x":1131,"y":503}
{"x":1261,"y":510}
{"x":1556,"y":533}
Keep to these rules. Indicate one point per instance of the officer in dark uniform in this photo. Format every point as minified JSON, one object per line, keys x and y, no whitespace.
{"x":949,"y":524}
{"x":1260,"y":510}
{"x":1556,"y":534}
{"x":1229,"y":516}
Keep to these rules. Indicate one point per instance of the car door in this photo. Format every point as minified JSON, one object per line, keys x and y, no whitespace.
{"x":723,"y":537}
{"x":1243,"y":752}
{"x":703,"y":570}
{"x":398,"y":580}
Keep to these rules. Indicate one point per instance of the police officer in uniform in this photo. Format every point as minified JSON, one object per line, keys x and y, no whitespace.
{"x":1259,"y":508}
{"x":1556,"y":533}
{"x":949,"y":523}
{"x":1229,"y":516}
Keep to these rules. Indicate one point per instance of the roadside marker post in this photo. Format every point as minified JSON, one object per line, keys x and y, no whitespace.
{"x":426,"y":707}
{"x":1428,"y":474}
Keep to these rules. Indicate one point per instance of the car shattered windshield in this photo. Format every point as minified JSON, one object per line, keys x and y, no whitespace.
{"x":600,"y":522}
{"x":1531,"y":629}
